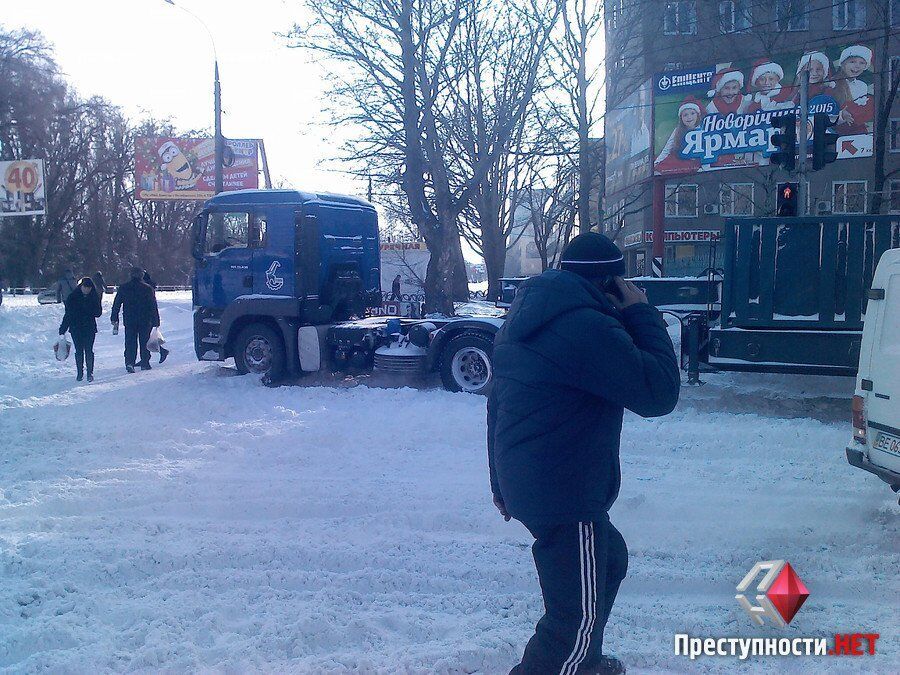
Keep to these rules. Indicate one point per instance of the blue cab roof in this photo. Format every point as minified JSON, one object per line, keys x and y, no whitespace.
{"x":283,"y":197}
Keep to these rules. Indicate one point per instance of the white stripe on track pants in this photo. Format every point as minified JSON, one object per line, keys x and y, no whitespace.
{"x":580,"y":567}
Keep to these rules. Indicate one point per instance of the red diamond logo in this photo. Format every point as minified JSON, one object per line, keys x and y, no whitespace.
{"x":787,"y":593}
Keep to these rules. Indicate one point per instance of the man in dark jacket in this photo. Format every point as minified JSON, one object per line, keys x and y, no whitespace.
{"x":163,"y":352}
{"x":140,"y":314}
{"x":578,"y":346}
{"x":66,"y":285}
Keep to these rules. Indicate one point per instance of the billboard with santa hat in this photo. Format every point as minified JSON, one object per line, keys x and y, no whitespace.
{"x":720,"y":117}
{"x":183,"y":168}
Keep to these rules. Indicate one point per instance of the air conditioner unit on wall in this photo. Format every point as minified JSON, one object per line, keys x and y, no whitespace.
{"x":710,"y":209}
{"x":823,"y":206}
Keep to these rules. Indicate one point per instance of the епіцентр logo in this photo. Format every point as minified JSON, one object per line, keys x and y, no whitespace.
{"x":780,"y":594}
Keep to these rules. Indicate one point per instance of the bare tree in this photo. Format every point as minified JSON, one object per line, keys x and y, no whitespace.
{"x":552,"y":211}
{"x":404,"y":86}
{"x":577,"y":78}
{"x":500,"y":60}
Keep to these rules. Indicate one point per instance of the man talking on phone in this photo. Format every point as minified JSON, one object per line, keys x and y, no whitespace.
{"x":579,"y":345}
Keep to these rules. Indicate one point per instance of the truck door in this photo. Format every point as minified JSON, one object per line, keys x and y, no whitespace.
{"x":224,"y":266}
{"x":272,"y":243}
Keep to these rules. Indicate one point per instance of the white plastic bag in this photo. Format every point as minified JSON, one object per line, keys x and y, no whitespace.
{"x":156,"y":340}
{"x":62,"y":348}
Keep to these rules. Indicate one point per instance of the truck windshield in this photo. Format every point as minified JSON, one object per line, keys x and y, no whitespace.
{"x":227,"y":229}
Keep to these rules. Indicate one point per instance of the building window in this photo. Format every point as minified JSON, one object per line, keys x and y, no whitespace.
{"x":848,"y":196}
{"x":848,"y":14}
{"x":894,"y":134}
{"x":680,"y":18}
{"x":681,"y":201}
{"x":736,"y":199}
{"x":792,"y":14}
{"x":734,"y":16}
{"x":894,"y":196}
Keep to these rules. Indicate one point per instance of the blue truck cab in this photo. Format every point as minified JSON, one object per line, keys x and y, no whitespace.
{"x":271,"y":261}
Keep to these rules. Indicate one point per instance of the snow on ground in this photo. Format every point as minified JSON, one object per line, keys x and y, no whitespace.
{"x":189,"y":519}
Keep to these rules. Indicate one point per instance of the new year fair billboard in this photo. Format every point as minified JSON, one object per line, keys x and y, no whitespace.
{"x":169,"y":168}
{"x":720,"y":116}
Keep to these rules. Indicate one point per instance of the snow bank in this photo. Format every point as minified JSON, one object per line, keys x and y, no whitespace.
{"x":189,"y":519}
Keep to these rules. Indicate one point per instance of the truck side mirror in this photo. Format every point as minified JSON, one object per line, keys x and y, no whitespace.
{"x":199,"y":232}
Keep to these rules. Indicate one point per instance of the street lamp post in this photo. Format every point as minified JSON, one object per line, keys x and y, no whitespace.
{"x":219,"y":140}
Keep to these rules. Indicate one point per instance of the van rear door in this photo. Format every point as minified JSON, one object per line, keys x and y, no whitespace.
{"x":883,"y":367}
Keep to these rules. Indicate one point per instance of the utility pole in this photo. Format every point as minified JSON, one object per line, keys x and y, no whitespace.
{"x":803,"y":142}
{"x":219,"y":139}
{"x":659,"y":226}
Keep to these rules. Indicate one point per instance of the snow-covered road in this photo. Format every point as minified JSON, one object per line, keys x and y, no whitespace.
{"x":189,"y":519}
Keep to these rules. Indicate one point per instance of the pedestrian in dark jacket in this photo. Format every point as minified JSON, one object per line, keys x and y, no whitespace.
{"x":100,"y":284}
{"x":140,"y":314}
{"x":395,"y":289}
{"x":579,"y":345}
{"x":82,"y":309}
{"x":65,"y":285}
{"x":163,"y":352}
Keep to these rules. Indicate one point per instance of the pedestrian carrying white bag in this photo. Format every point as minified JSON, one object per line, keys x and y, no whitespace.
{"x":156,"y":340}
{"x":62,"y":348}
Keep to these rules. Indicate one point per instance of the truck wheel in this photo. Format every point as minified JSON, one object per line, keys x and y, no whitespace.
{"x":259,"y":350}
{"x":466,"y":363}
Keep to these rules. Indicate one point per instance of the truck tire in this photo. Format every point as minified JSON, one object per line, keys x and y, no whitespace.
{"x":466,"y":363}
{"x":260,"y":350}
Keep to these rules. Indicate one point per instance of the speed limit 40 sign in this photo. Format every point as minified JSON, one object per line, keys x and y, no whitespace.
{"x":22,"y":184}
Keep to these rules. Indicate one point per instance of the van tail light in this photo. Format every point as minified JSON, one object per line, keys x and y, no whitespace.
{"x":859,"y":419}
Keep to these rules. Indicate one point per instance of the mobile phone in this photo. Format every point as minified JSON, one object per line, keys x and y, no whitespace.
{"x":609,"y":285}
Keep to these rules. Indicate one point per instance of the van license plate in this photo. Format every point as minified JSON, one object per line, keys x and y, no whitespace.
{"x":887,"y":443}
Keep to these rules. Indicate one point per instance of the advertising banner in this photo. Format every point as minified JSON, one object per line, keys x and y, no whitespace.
{"x":23,"y":188}
{"x":184,"y":168}
{"x":628,"y":140}
{"x":720,"y":117}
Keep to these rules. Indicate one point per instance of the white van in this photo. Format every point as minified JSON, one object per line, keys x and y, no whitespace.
{"x":876,"y":405}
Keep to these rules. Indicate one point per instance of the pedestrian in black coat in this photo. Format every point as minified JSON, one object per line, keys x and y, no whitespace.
{"x":579,"y":345}
{"x":100,"y":284}
{"x":140,"y":314}
{"x":80,"y":319}
{"x":163,"y":352}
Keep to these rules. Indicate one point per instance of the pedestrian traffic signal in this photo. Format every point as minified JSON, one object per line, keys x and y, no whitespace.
{"x":785,"y":141}
{"x":787,"y":199}
{"x":824,"y":141}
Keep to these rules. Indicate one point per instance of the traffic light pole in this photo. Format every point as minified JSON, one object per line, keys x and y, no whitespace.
{"x":803,"y":142}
